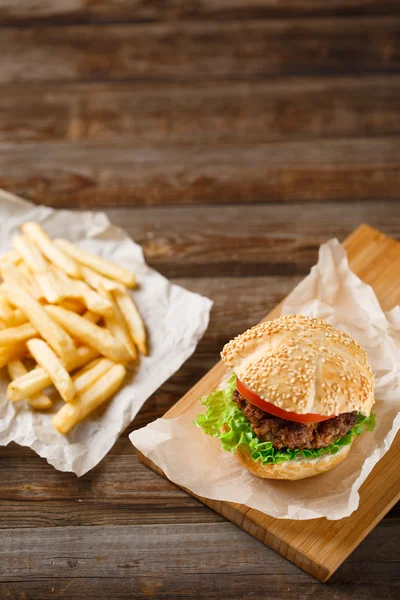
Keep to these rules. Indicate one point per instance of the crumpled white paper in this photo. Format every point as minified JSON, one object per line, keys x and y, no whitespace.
{"x":175,"y":319}
{"x":196,"y":461}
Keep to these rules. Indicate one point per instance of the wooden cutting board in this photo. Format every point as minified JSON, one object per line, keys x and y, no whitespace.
{"x":319,"y":546}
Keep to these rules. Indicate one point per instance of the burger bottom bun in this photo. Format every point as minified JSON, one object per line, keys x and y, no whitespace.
{"x":300,"y":468}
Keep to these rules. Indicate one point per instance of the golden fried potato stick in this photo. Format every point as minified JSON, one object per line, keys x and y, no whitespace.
{"x":13,"y":257}
{"x":86,"y":402}
{"x":74,"y":305}
{"x":42,"y":274}
{"x":86,"y":377}
{"x":132,"y":318}
{"x":48,"y":286}
{"x":12,"y":353}
{"x":38,"y":379}
{"x":97,"y":281}
{"x":36,"y":292}
{"x":102,"y":265}
{"x":90,"y":334}
{"x":67,"y":286}
{"x":116,"y":324}
{"x":91,"y":316}
{"x":15,"y":335}
{"x":35,"y":232}
{"x":31,"y":255}
{"x":13,"y":276}
{"x":50,"y":331}
{"x":79,"y":291}
{"x":89,"y":366}
{"x":6,"y":311}
{"x":17,"y":318}
{"x":48,"y":360}
{"x":38,"y":401}
{"x":92,"y":300}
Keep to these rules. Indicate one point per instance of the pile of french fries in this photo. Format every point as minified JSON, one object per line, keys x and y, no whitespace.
{"x":69,"y":311}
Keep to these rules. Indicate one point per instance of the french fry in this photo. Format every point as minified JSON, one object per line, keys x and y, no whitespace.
{"x":74,"y":289}
{"x":38,"y":401}
{"x":31,"y":255}
{"x":89,"y":366}
{"x":36,"y":292}
{"x":82,"y":356}
{"x":6,"y":312}
{"x":38,"y":379}
{"x":17,"y":318}
{"x":97,"y":281}
{"x":66,"y":285}
{"x":86,"y":402}
{"x":102,"y":265}
{"x":116,"y":324}
{"x":92,"y":300}
{"x":74,"y":305}
{"x":92,"y":316}
{"x":132,"y":318}
{"x":13,"y":276}
{"x":13,"y":257}
{"x":91,"y":373}
{"x":39,"y":267}
{"x":46,"y":358}
{"x":48,"y":286}
{"x":11,"y":353}
{"x":15,"y":335}
{"x":90,"y":334}
{"x":50,"y":250}
{"x":54,"y":290}
{"x":50,"y":331}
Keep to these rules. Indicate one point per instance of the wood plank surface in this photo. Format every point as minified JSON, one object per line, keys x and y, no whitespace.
{"x":88,"y":174}
{"x":198,"y":51}
{"x":222,"y":112}
{"x":150,"y":561}
{"x":265,"y":239}
{"x":66,"y":11}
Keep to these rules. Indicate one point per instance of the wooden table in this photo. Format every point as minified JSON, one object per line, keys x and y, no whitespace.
{"x":230,"y":139}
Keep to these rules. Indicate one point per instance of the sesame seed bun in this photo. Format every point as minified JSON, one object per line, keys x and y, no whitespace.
{"x":303,"y":365}
{"x":300,"y":468}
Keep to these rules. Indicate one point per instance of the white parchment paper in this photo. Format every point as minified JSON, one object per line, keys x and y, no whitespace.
{"x":175,"y":319}
{"x":196,"y":461}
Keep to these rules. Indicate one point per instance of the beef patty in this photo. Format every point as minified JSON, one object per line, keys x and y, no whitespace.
{"x":289,"y":434}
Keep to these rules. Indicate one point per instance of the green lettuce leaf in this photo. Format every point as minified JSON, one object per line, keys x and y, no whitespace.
{"x":223,"y":419}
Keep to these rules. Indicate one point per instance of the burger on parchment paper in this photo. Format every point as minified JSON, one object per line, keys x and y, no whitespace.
{"x":299,"y":394}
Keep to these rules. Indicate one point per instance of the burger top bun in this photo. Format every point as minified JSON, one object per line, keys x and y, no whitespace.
{"x":303,"y":365}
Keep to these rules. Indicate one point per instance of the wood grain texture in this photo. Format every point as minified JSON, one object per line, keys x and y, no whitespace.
{"x":320,"y":546}
{"x":135,"y":559}
{"x":120,"y":491}
{"x":66,"y":11}
{"x":204,"y":113}
{"x":201,"y":51}
{"x":243,"y":240}
{"x":189,"y":585}
{"x":88,"y":174}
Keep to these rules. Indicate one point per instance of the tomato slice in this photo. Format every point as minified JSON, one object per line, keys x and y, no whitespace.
{"x":275,"y":410}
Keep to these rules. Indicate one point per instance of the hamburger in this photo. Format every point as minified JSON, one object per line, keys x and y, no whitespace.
{"x":300,"y":392}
